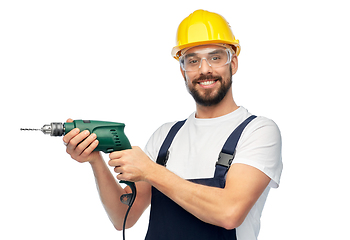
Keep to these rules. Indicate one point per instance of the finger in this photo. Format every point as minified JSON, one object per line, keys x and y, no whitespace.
{"x":90,"y":148}
{"x":72,"y":144}
{"x":71,"y":135}
{"x":116,"y":155}
{"x":124,"y":177}
{"x":84,"y":144}
{"x":69,"y":120}
{"x":115,"y":163}
{"x":120,"y":177}
{"x":121,"y":173}
{"x":118,"y":169}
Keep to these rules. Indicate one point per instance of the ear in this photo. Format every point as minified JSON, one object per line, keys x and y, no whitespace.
{"x":234,"y":64}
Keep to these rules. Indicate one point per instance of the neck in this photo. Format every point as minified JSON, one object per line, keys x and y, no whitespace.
{"x":226,"y":106}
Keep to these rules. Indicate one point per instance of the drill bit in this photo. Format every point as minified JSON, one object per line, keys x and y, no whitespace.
{"x":53,"y":129}
{"x":30,"y":129}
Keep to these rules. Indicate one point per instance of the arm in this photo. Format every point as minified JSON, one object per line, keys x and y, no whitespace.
{"x":110,"y":191}
{"x":80,"y":147}
{"x":226,"y":207}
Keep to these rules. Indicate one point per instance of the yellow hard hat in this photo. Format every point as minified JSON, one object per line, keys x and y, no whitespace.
{"x":203,"y":27}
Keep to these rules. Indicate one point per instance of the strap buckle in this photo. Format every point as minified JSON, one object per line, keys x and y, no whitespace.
{"x":225,"y":159}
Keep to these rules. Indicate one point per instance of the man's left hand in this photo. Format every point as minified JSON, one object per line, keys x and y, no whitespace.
{"x":132,"y":164}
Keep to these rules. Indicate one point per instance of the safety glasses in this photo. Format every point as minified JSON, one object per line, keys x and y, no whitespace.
{"x":215,"y":56}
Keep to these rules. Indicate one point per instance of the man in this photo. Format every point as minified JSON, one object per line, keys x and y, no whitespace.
{"x":193,"y":195}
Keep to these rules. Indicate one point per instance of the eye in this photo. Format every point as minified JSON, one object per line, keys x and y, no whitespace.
{"x":192,"y":61}
{"x":216,"y":58}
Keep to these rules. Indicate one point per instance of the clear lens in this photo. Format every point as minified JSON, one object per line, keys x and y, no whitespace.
{"x":215,"y":58}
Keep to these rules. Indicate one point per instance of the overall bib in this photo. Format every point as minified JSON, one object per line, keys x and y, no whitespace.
{"x":169,"y":221}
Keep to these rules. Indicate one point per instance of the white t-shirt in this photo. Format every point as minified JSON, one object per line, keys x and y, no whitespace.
{"x":196,"y":147}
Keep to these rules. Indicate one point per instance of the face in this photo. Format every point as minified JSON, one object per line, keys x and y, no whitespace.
{"x":209,"y":82}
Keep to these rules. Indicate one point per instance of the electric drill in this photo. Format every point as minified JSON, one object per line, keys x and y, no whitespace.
{"x":110,"y":135}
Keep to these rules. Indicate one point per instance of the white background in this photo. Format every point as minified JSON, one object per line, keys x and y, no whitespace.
{"x":110,"y":60}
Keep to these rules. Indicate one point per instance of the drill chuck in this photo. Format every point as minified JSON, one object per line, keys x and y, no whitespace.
{"x":54,"y":129}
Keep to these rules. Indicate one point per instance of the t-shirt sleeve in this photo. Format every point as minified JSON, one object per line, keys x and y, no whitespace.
{"x":260,"y":146}
{"x":156,"y":140}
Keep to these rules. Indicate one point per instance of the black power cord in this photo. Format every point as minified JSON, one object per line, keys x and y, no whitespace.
{"x":129,"y":200}
{"x":126,"y":216}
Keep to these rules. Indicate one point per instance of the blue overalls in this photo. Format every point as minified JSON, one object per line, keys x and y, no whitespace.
{"x":169,"y":221}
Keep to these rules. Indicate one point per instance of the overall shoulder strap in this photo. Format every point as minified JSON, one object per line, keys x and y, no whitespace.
{"x":228,"y":150}
{"x":163,"y":152}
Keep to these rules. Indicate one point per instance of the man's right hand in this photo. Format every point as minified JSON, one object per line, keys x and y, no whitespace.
{"x":80,"y":145}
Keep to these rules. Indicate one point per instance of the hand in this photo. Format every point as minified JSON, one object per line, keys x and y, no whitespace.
{"x":80,"y":145}
{"x":132,"y":164}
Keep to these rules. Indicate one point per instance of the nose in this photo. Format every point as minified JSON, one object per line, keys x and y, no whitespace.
{"x":205,"y":66}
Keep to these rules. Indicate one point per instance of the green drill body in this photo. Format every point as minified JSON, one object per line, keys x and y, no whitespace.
{"x":110,"y":135}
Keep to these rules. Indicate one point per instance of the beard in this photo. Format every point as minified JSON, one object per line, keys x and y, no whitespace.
{"x":208,"y":98}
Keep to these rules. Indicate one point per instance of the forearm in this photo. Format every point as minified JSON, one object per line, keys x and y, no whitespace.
{"x":208,"y":204}
{"x":110,"y":192}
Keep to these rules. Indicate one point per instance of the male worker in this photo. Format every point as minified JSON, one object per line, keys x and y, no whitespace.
{"x":204,"y":180}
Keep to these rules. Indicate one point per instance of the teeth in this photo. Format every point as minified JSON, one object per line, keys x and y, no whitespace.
{"x":207,"y":82}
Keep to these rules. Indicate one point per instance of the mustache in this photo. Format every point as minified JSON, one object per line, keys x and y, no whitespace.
{"x":207,"y":77}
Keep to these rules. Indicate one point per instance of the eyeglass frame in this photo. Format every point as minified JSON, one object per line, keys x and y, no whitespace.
{"x":229,"y":50}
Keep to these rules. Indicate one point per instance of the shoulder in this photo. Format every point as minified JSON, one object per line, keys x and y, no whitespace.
{"x":264,"y":127}
{"x":163,"y":130}
{"x":156,"y":140}
{"x":260,"y":146}
{"x":262,"y":133}
{"x":260,"y":123}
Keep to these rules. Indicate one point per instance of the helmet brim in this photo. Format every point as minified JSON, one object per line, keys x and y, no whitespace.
{"x":176,"y":51}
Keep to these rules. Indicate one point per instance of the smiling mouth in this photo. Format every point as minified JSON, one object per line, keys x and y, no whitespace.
{"x":207,"y":82}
